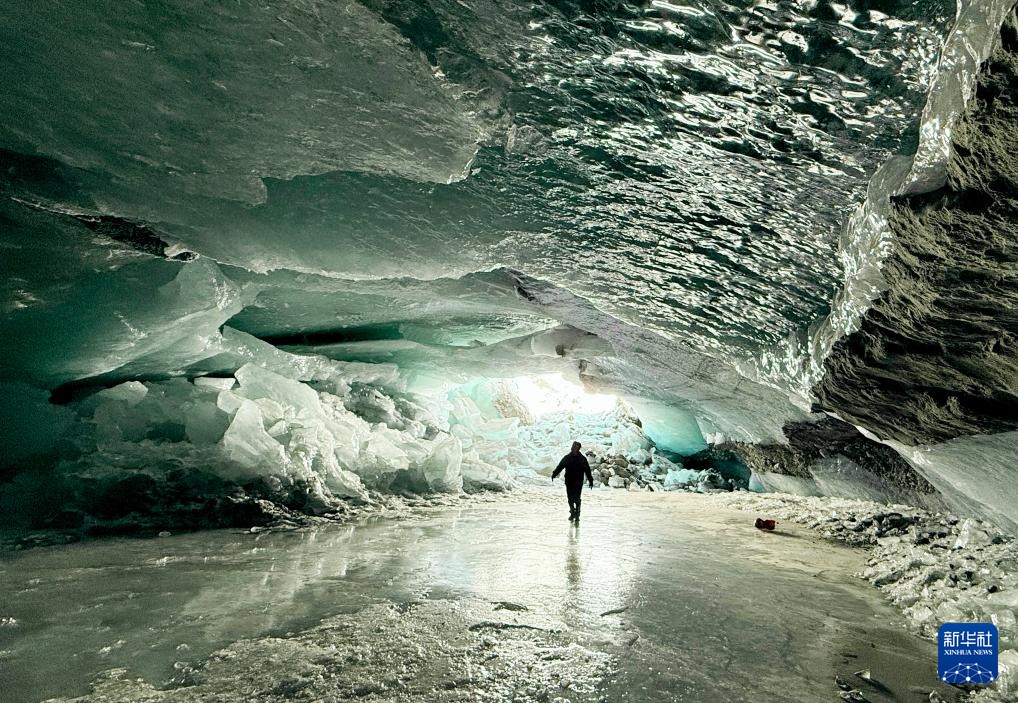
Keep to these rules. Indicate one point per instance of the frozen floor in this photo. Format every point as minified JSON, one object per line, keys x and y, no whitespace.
{"x":654,"y":597}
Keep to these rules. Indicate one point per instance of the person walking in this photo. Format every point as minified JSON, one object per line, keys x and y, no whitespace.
{"x":576,"y":467}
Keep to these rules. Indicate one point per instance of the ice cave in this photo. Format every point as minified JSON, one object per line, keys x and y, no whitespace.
{"x":305,"y":303}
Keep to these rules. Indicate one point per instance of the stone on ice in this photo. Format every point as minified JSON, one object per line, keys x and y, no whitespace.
{"x":893,"y":521}
{"x":709,"y":480}
{"x":640,"y":456}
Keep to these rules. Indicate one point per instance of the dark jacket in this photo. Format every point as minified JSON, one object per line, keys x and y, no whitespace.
{"x":576,"y":467}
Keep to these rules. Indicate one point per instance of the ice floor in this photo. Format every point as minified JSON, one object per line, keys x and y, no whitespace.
{"x":652,"y":598}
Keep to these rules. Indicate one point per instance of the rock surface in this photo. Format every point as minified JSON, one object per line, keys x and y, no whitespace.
{"x":936,"y":356}
{"x":813,"y":442}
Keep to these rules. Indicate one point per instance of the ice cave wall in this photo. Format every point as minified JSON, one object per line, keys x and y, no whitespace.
{"x":936,"y":357}
{"x":934,"y":364}
{"x":293,"y":307}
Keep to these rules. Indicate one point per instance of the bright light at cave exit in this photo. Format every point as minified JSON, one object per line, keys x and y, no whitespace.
{"x":550,"y":393}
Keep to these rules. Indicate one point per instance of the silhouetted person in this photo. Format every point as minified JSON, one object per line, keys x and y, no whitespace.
{"x":576,"y":468}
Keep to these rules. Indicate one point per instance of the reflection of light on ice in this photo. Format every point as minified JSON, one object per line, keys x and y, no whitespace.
{"x":562,"y":569}
{"x":548,"y":393}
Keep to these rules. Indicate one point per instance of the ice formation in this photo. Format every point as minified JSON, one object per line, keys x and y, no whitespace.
{"x":282,"y":263}
{"x":311,"y":432}
{"x":312,"y":253}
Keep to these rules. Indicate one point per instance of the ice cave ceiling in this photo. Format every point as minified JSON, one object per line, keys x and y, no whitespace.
{"x":683,"y":168}
{"x":436,"y":184}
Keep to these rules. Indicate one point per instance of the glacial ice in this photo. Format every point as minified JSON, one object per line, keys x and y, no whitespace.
{"x":358,"y":98}
{"x":352,"y":608}
{"x":351,"y":417}
{"x":413,"y":236}
{"x":147,"y":318}
{"x":29,"y":423}
{"x":797,"y":362}
{"x":327,"y":430}
{"x":974,"y":474}
{"x":677,"y":478}
{"x":340,"y":164}
{"x":840,"y":477}
{"x":176,"y":319}
{"x":442,"y":469}
{"x":248,"y":446}
{"x":375,"y":302}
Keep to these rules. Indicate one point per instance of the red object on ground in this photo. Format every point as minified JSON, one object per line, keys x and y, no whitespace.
{"x":762,"y":524}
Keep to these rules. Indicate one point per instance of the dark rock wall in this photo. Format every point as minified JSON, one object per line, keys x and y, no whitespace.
{"x":811,"y":442}
{"x":937,"y":355}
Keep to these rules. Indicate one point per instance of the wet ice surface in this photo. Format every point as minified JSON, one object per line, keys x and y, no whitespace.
{"x":665,"y":597}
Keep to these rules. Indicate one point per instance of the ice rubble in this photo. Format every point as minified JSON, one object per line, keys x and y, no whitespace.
{"x":183,"y":405}
{"x":163,"y":318}
{"x":936,"y":567}
{"x":311,"y":434}
{"x":263,"y":425}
